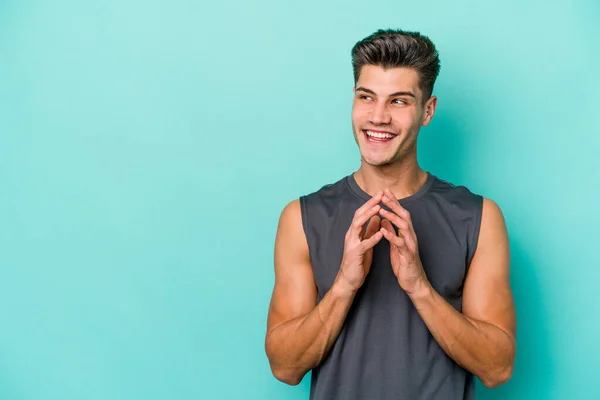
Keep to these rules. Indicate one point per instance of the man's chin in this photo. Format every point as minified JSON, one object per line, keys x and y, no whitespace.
{"x":377,"y":162}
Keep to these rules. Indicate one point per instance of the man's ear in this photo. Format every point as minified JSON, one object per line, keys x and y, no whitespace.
{"x":430,"y":106}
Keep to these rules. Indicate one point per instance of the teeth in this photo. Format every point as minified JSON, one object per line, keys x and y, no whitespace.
{"x":380,"y":135}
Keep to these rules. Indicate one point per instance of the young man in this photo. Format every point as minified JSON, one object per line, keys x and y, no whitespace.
{"x":392,"y":283}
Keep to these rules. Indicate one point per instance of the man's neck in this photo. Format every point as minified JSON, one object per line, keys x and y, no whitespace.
{"x":403,"y":179}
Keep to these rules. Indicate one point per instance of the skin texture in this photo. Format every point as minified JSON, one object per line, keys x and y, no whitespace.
{"x":301,"y":331}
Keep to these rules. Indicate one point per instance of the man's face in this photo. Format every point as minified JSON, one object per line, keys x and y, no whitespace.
{"x":387,"y":113}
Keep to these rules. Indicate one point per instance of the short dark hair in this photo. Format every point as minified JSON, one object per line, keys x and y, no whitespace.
{"x":392,"y":48}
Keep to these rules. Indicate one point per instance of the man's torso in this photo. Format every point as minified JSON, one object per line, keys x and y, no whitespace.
{"x":384,"y":350}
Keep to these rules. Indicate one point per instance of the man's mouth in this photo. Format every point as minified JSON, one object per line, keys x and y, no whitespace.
{"x":378,"y":136}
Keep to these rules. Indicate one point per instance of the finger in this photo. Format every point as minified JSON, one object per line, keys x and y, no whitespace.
{"x":372,"y":241}
{"x":372,"y":227}
{"x":388,"y":192}
{"x":393,"y":238}
{"x":386,"y":229}
{"x":396,"y":220}
{"x":358,"y":228}
{"x":391,"y":201}
{"x":390,"y":227}
{"x":385,"y":223}
{"x":364,"y":212}
{"x":403,"y":229}
{"x":389,"y":198}
{"x":406,"y":244}
{"x":370,"y":203}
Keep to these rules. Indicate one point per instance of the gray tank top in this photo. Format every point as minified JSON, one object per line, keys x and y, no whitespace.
{"x":385,"y":350}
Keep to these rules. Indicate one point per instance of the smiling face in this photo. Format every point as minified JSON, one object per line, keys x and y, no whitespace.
{"x":387,"y":113}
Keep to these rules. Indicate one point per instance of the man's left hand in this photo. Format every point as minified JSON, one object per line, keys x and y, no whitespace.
{"x":404,"y":249}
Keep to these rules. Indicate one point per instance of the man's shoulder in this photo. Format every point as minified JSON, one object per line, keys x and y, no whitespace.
{"x":331,"y":200}
{"x":328,"y":191}
{"x":454,"y":193}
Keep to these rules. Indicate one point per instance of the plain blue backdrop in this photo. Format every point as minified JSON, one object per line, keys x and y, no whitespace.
{"x":148,"y":147}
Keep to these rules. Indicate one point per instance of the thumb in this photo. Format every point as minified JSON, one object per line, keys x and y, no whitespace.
{"x":387,"y":225}
{"x":372,"y":227}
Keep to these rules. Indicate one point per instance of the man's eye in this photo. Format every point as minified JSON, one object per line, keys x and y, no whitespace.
{"x":365,"y":97}
{"x":398,"y":101}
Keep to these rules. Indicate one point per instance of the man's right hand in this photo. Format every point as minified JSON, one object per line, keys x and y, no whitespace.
{"x":359,"y":243}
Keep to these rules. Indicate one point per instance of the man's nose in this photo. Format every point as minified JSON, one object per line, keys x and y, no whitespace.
{"x":380,"y":114}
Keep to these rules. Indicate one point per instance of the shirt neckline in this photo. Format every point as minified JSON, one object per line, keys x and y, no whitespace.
{"x":356,"y":189}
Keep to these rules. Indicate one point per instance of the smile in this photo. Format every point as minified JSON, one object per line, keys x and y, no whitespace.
{"x":378,"y":136}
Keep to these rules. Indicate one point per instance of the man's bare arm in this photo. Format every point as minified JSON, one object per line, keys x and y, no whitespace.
{"x":300,"y":332}
{"x":482,"y":338}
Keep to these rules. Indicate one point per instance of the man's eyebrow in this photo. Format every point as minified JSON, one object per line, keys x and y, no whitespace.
{"x":411,"y":94}
{"x":363,"y":89}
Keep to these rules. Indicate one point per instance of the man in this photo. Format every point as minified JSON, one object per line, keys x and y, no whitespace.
{"x":392,"y":283}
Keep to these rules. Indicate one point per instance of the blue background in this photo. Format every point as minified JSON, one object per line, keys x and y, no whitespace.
{"x":148,"y":147}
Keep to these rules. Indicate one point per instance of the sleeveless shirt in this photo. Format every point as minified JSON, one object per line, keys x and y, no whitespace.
{"x":384,"y":349}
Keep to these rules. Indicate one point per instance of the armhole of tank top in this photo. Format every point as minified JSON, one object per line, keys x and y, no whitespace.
{"x":305,"y":225}
{"x":475,"y":229}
